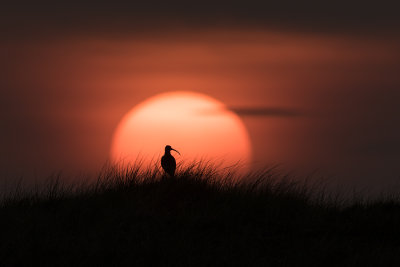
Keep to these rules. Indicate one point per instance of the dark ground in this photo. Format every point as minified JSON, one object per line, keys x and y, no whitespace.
{"x":190,"y":221}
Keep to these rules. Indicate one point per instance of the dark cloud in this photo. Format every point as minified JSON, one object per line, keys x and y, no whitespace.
{"x":257,"y":111}
{"x":266,"y":111}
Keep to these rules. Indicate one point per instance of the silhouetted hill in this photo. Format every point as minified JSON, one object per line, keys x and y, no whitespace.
{"x":200,"y":218}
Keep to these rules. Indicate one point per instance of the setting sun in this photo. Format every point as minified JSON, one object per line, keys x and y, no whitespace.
{"x":197,"y":125}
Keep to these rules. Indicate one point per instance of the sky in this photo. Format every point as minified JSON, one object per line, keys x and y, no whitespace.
{"x":315,"y":83}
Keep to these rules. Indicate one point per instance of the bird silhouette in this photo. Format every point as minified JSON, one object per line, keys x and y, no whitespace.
{"x":168,"y":162}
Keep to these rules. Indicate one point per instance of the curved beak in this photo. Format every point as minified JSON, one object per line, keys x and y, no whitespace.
{"x":175,"y":151}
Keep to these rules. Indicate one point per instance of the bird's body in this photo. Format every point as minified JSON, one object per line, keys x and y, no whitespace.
{"x":168,"y":162}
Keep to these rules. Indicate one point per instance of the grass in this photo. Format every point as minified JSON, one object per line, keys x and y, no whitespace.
{"x":202,"y":217}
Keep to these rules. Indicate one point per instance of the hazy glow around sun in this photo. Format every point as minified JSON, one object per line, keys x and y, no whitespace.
{"x":198,"y":126}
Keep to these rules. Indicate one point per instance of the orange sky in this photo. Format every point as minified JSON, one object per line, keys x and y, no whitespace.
{"x":63,"y":97}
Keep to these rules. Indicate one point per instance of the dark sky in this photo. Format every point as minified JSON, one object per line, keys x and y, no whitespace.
{"x":313,"y":80}
{"x":28,"y":19}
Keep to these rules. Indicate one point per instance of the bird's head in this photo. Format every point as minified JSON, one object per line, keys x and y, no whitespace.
{"x":168,"y":149}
